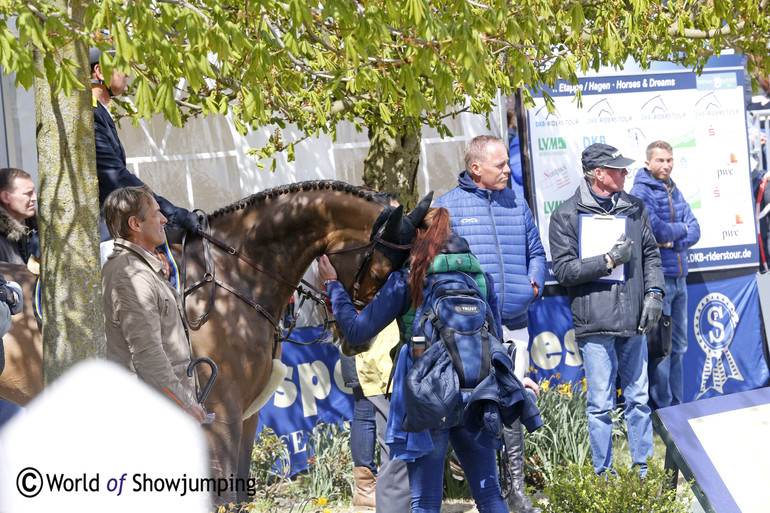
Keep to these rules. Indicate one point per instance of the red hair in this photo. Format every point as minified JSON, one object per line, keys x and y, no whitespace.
{"x":431,"y":235}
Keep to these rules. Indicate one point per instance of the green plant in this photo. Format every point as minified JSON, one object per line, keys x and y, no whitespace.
{"x":454,"y":488}
{"x":330,"y":465}
{"x":577,"y":488}
{"x":270,"y":464}
{"x":563,"y":438}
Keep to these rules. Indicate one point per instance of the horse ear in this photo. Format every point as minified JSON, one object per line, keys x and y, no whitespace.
{"x":393,"y":225}
{"x":416,"y":216}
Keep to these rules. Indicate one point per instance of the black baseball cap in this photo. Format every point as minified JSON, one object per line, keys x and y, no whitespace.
{"x":604,"y":155}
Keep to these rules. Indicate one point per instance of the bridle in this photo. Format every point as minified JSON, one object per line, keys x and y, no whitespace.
{"x":310,"y":293}
{"x":366,"y":260}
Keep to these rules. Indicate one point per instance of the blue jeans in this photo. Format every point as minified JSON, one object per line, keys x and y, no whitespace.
{"x":604,"y":358}
{"x":426,"y":474}
{"x":665,"y":374}
{"x":363,"y":431}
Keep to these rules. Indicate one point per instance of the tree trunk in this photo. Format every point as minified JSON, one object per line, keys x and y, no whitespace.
{"x":68,"y":213}
{"x":393,"y":161}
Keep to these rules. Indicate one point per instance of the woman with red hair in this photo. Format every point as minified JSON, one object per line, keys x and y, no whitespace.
{"x":399,"y":297}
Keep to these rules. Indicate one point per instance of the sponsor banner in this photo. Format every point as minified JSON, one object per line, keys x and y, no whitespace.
{"x":729,"y":256}
{"x":651,"y":82}
{"x":702,"y":117}
{"x":553,"y":352}
{"x":724,"y":353}
{"x":312,"y":392}
{"x":724,"y":356}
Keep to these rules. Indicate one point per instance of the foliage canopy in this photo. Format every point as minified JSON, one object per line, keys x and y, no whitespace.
{"x":376,"y":62}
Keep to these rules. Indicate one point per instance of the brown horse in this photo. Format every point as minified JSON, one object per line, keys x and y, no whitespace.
{"x":271,"y":238}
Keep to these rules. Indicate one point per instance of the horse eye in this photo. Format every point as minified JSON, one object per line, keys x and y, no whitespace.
{"x":375,"y":277}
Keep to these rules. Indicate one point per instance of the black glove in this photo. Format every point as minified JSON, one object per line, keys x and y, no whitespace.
{"x":651,"y":311}
{"x":621,"y":251}
{"x":191,"y":223}
{"x":7,"y":295}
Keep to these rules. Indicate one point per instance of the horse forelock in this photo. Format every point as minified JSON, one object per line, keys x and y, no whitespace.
{"x":293,"y":188}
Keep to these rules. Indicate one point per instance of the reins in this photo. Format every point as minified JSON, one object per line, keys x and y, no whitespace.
{"x":317,"y":296}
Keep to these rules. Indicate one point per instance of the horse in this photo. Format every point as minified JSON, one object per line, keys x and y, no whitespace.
{"x":247,"y":263}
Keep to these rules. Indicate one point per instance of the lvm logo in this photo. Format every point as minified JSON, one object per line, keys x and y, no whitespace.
{"x":550,"y":206}
{"x":551,"y":144}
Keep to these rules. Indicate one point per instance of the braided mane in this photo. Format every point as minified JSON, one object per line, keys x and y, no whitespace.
{"x":293,"y":188}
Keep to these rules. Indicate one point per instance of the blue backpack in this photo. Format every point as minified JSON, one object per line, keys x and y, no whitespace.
{"x":449,"y":343}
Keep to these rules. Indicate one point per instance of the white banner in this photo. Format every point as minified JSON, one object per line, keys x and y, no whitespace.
{"x":702,"y":117}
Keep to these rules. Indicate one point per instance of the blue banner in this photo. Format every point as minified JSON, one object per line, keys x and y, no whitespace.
{"x":658,"y":78}
{"x":724,"y":356}
{"x":724,"y":353}
{"x":553,"y":352}
{"x":312,"y":392}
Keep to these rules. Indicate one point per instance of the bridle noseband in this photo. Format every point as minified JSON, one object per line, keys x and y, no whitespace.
{"x":365,"y":262}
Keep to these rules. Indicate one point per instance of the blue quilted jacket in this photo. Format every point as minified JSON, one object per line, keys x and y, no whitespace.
{"x":671,"y":219}
{"x":502,"y":234}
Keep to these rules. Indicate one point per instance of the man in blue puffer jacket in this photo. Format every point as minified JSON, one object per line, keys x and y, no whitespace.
{"x":676,"y":230}
{"x":500,"y":229}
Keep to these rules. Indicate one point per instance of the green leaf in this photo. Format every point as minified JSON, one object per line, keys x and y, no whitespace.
{"x":143,"y":98}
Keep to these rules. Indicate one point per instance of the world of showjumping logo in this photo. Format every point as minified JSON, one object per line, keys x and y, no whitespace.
{"x":714,"y":325}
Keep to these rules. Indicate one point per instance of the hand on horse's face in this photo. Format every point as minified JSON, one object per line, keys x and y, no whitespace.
{"x":326,"y":269}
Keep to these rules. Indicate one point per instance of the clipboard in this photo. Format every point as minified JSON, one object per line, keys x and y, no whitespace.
{"x":598,"y":233}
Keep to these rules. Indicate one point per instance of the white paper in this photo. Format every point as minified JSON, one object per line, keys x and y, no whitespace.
{"x":598,"y":234}
{"x":736,"y":443}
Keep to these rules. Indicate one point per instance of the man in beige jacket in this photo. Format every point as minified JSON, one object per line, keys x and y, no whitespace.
{"x":146,"y":332}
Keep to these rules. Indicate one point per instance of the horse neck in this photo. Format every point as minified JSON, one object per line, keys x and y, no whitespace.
{"x":285,"y":233}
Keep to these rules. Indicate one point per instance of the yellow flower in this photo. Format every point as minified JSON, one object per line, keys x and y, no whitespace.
{"x":327,"y":510}
{"x":320,"y":501}
{"x":544,"y":385}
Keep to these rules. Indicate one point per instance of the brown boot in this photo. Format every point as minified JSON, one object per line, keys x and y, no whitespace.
{"x":363,"y":495}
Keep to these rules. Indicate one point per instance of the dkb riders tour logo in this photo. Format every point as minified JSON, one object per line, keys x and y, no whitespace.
{"x":714,"y":326}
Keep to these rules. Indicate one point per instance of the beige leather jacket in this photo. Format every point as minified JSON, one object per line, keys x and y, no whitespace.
{"x":143,"y":322}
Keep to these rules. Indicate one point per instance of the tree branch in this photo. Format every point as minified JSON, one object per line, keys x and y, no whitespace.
{"x":64,"y":20}
{"x":182,"y":3}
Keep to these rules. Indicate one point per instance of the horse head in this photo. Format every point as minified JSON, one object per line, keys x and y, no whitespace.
{"x":391,"y":239}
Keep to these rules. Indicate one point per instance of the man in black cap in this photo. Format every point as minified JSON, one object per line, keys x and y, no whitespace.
{"x":615,"y":289}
